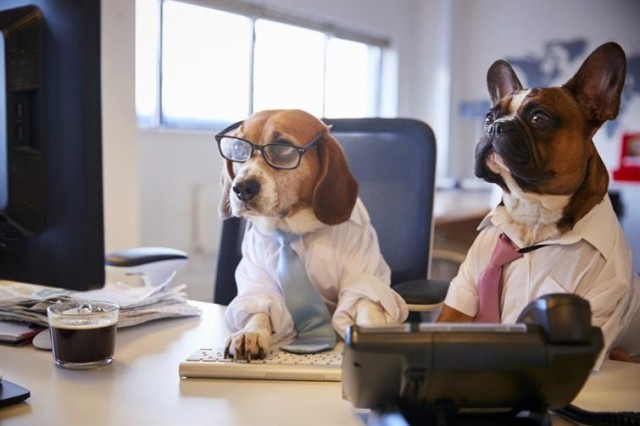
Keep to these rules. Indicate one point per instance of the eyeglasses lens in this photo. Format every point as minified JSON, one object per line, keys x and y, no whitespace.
{"x":285,"y":157}
{"x":235,"y":149}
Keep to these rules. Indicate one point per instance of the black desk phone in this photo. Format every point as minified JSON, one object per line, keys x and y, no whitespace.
{"x":474,"y":373}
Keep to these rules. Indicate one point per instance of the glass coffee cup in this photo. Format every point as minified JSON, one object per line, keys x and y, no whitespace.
{"x":83,"y":334}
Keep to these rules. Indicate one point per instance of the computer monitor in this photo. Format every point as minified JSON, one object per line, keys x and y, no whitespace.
{"x":51,"y":196}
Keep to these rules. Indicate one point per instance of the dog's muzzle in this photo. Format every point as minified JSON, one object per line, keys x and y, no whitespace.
{"x":498,"y":138}
{"x":513,"y":142}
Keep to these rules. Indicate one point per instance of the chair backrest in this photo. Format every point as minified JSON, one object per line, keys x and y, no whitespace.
{"x":394,"y":162}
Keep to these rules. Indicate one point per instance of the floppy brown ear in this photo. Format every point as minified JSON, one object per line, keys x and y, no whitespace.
{"x":224,"y":208}
{"x":336,"y":191}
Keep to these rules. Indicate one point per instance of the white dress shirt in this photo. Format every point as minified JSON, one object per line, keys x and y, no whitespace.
{"x":593,"y":260}
{"x":342,"y":261}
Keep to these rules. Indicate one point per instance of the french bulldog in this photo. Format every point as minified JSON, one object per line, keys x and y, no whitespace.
{"x":538,"y":147}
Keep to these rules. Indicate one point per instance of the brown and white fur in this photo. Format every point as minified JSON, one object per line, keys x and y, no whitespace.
{"x":320,"y":191}
{"x":538,"y":146}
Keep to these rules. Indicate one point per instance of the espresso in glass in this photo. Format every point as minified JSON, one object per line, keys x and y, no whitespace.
{"x":83,"y":334}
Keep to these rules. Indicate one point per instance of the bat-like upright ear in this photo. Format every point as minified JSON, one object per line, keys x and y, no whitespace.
{"x":226,"y":177}
{"x":336,"y":190}
{"x":501,"y":81}
{"x":598,"y":83}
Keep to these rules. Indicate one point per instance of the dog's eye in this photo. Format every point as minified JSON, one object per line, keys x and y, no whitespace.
{"x":284,"y":156}
{"x":539,"y":118}
{"x":489,"y":118}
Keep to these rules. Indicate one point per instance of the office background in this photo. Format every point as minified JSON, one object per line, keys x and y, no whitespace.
{"x":161,"y":186}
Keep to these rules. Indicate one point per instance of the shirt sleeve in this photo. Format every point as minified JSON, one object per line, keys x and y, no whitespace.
{"x":258,"y":289}
{"x":365,"y":275}
{"x":610,"y":303}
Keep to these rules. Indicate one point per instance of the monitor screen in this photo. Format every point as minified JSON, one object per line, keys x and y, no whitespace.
{"x":51,"y":199}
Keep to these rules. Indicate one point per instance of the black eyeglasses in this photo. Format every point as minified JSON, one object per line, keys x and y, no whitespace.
{"x":279,"y":155}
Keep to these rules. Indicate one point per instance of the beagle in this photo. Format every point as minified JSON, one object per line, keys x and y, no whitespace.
{"x":283,"y":170}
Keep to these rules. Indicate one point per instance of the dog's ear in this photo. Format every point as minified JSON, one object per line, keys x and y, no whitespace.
{"x":501,"y":81}
{"x":598,"y":83}
{"x":226,"y":177}
{"x":336,"y":190}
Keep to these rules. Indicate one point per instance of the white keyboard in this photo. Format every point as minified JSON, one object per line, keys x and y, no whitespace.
{"x":277,"y":365}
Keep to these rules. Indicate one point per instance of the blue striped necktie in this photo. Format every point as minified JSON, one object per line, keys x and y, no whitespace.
{"x":310,"y":314}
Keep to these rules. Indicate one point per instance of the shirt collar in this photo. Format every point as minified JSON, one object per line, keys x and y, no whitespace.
{"x":594,"y":227}
{"x":359,"y":216}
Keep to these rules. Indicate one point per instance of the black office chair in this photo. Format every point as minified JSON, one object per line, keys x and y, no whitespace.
{"x":394,"y":162}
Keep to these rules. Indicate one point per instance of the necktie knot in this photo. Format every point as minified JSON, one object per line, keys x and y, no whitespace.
{"x":504,"y":252}
{"x":284,"y":238}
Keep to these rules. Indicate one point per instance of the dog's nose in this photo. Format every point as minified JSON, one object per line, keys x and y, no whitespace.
{"x":246,"y":190}
{"x":499,"y":127}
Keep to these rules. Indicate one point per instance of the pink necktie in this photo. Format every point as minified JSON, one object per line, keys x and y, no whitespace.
{"x":490,"y":280}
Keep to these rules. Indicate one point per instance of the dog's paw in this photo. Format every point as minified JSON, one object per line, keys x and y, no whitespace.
{"x":252,"y":342}
{"x":247,"y":345}
{"x":369,"y":313}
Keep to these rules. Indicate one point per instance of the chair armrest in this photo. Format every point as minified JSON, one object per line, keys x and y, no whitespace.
{"x":423,"y":295}
{"x":155,"y":265}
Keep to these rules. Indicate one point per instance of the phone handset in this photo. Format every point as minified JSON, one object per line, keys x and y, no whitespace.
{"x":564,"y":318}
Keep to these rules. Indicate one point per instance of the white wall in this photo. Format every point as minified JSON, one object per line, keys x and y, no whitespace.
{"x":441,"y":48}
{"x":173,"y":166}
{"x":120,"y":148}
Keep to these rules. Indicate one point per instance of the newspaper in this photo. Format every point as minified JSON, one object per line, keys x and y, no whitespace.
{"x":138,"y":303}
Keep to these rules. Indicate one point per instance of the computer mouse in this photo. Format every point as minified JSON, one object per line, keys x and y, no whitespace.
{"x":42,"y":340}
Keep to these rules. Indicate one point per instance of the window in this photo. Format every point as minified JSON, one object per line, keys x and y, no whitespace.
{"x":202,"y":67}
{"x":288,"y":67}
{"x":205,"y":66}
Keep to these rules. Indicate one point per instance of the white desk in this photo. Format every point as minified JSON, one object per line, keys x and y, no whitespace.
{"x":142,"y":386}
